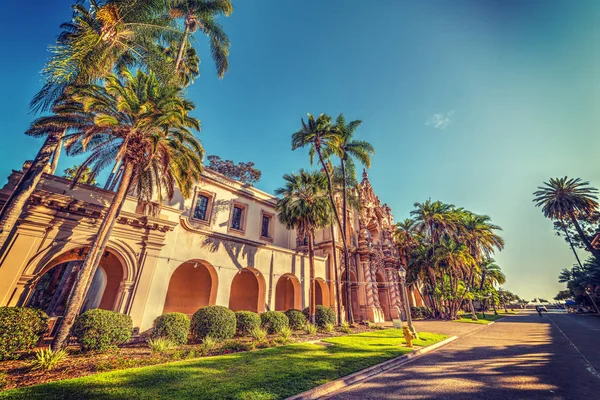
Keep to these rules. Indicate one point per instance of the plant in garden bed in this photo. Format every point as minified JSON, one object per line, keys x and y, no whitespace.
{"x":296,"y":318}
{"x":47,"y":359}
{"x":208,"y":345}
{"x":102,"y":329}
{"x":245,"y":322}
{"x":345,"y":327}
{"x":327,"y":328}
{"x":161,"y":345}
{"x":174,"y":326}
{"x":218,"y":322}
{"x":21,"y":328}
{"x":235,"y":346}
{"x":259,"y":336}
{"x":310,"y":329}
{"x":323,"y":315}
{"x":274,"y":321}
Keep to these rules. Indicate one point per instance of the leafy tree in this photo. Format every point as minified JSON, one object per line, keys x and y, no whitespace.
{"x":85,"y":176}
{"x":145,"y":125}
{"x":243,"y":171}
{"x":563,"y":295}
{"x":564,"y":199}
{"x":304,"y":206}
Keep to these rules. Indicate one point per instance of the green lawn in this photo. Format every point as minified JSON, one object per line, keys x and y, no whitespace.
{"x":488,"y":318}
{"x":273,"y":373}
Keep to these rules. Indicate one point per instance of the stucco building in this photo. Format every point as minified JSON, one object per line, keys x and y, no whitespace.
{"x":223,"y":246}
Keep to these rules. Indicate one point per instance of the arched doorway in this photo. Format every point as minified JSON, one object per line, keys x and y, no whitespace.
{"x":353,"y":295}
{"x":52,"y":289}
{"x":287,"y":293}
{"x":321,"y":292}
{"x":193,"y":285}
{"x":383,"y":292}
{"x":247,"y":291}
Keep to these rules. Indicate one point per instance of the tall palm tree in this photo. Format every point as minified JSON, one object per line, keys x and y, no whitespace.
{"x":143,"y":124}
{"x":347,"y":149}
{"x":491,"y":275}
{"x":304,"y":206}
{"x":107,"y":35}
{"x":563,"y":198}
{"x":201,"y":15}
{"x":85,"y":176}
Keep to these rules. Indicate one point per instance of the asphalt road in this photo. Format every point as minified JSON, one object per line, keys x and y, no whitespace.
{"x":519,"y":357}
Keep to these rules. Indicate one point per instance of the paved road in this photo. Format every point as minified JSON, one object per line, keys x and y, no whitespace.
{"x":519,"y":357}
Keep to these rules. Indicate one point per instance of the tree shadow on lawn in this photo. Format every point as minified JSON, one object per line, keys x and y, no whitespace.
{"x":267,"y":374}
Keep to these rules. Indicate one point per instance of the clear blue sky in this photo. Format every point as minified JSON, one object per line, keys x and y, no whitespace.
{"x":473,"y":103}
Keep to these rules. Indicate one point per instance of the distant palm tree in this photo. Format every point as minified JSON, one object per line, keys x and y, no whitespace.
{"x":201,"y":15}
{"x":304,"y":207}
{"x":85,"y":176}
{"x":145,"y":125}
{"x":563,"y":198}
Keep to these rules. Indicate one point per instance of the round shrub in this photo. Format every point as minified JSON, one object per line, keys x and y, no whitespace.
{"x":246,"y":321}
{"x":218,"y":322}
{"x":296,"y":318}
{"x":323,"y":315}
{"x":21,"y":328}
{"x":274,"y":321}
{"x":98,"y":329}
{"x":174,"y":326}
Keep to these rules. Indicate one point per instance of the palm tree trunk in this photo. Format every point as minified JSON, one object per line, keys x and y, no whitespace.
{"x":337,"y":218}
{"x":346,"y":258}
{"x":112,"y":175}
{"x":584,"y":238}
{"x":312,"y":294}
{"x":56,"y":155}
{"x":16,"y":202}
{"x":88,"y":269}
{"x":473,"y":315}
{"x":182,"y":46}
{"x":336,"y":283}
{"x":571,"y":244}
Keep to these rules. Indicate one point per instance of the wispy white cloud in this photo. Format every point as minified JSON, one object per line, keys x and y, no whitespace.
{"x":440,"y":120}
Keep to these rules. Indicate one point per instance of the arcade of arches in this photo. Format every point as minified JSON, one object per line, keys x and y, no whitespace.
{"x":193,"y":285}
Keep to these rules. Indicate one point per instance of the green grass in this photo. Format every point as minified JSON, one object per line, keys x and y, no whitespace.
{"x":273,"y":373}
{"x":488,"y":318}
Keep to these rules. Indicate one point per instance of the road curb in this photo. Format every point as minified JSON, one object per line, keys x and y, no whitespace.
{"x":361,"y":375}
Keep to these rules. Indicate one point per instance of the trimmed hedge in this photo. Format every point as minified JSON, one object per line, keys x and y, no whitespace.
{"x":274,"y":321}
{"x":323,"y":315}
{"x":98,"y":329}
{"x":296,"y":318}
{"x":420,"y":312}
{"x":21,"y":328}
{"x":245,"y":322}
{"x":174,"y":326}
{"x":218,"y":322}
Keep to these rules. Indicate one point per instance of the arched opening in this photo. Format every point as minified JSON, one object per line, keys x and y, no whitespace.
{"x":247,"y":291}
{"x":383,"y":292}
{"x":353,"y":294}
{"x":52,"y":289}
{"x":287,"y":293}
{"x":321,"y":292}
{"x":193,"y":285}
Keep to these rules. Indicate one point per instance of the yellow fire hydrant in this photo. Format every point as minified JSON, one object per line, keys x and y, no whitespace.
{"x":408,"y":336}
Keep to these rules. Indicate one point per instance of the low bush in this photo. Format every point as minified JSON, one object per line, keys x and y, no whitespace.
{"x":208,"y":345}
{"x":258,"y":334}
{"x":21,"y":328}
{"x":296,"y":318}
{"x":327,"y":328}
{"x":161,"y":345}
{"x":345,"y":327}
{"x":245,"y":322}
{"x":218,"y":322}
{"x":373,"y":325}
{"x":310,"y":329}
{"x":47,"y":359}
{"x":174,"y":326}
{"x":285,"y":334}
{"x":274,"y":321}
{"x":323,"y":315}
{"x":98,"y":329}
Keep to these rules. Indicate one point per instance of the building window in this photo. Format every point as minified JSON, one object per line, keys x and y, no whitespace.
{"x":200,"y":212}
{"x":264,"y":232}
{"x":266,"y":226}
{"x":202,"y":206}
{"x":236,"y":218}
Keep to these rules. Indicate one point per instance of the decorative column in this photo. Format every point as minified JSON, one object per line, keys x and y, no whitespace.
{"x":123,"y":296}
